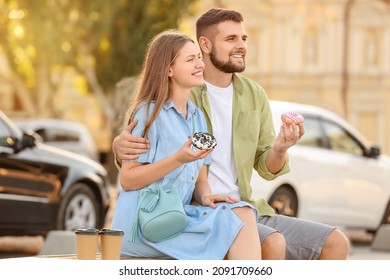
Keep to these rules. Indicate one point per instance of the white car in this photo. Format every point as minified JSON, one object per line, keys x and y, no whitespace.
{"x":63,"y":134}
{"x":336,"y":177}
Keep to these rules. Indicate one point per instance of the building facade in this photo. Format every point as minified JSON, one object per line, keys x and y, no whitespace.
{"x":330,"y":53}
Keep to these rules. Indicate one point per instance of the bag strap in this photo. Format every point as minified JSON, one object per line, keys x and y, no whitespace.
{"x":150,"y":206}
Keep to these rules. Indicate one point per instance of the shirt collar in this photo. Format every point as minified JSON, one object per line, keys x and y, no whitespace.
{"x":190,"y":107}
{"x":237,"y":84}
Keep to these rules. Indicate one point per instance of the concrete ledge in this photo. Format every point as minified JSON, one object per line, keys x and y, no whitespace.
{"x":382,"y":239}
{"x":59,"y":242}
{"x":98,"y":257}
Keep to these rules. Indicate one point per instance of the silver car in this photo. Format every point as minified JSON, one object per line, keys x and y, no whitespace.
{"x":64,"y":134}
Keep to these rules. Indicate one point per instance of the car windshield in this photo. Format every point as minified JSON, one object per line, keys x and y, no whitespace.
{"x":321,"y":133}
{"x":340,"y":141}
{"x":58,"y":135}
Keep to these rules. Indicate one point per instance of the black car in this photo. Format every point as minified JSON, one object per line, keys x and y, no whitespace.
{"x":43,"y":188}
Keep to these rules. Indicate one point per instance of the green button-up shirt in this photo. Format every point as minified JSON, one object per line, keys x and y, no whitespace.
{"x":253,"y":135}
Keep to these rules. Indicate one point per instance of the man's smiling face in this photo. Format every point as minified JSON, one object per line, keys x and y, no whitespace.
{"x":229,"y":47}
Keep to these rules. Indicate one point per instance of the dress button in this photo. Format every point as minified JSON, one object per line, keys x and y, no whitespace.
{"x":192,"y":178}
{"x":204,"y":213}
{"x":224,"y":207}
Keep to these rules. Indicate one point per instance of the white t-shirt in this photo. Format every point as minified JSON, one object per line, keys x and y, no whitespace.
{"x":222,"y":173}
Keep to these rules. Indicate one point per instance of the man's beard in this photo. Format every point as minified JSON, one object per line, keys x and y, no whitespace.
{"x":227,"y":67}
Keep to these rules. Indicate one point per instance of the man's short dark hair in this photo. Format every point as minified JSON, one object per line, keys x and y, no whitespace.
{"x":213,"y":17}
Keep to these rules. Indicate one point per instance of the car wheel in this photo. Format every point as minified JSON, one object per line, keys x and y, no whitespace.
{"x":79,"y":209}
{"x":284,"y":201}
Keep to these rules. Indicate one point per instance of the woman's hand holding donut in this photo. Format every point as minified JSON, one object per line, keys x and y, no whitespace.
{"x":187,"y":154}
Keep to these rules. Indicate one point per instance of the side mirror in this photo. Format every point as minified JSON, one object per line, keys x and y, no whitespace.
{"x":374,"y":152}
{"x":28,"y":140}
{"x":13,"y":145}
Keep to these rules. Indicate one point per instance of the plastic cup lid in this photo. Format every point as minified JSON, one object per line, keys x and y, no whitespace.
{"x":87,"y":231}
{"x":109,"y":231}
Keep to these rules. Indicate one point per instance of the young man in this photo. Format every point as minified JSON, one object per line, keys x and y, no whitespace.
{"x":238,"y":114}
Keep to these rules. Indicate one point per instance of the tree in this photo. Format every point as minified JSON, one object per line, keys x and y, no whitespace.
{"x":103,"y":40}
{"x":40,"y":35}
{"x":108,"y":36}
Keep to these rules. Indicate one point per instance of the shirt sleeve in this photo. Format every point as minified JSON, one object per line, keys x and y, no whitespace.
{"x":266,"y":139}
{"x":141,"y":116}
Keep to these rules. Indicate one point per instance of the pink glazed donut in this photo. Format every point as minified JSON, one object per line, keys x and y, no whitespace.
{"x":292,"y":118}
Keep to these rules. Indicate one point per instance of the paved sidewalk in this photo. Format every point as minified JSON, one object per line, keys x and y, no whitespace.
{"x":361,"y":248}
{"x":29,"y":246}
{"x":365,"y":252}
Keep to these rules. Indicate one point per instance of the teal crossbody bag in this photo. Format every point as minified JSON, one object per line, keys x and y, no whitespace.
{"x":160,"y":213}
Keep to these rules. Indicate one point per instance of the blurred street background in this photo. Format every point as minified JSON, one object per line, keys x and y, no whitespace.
{"x":334,"y":54}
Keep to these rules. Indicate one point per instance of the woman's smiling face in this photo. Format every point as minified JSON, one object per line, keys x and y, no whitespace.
{"x":187,"y":69}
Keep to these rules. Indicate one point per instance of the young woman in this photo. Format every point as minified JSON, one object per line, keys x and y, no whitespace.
{"x":219,"y":226}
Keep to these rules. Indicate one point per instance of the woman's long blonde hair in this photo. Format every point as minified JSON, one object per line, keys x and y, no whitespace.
{"x":154,"y":86}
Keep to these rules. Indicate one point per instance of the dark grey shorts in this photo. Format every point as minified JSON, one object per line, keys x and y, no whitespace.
{"x":304,"y":239}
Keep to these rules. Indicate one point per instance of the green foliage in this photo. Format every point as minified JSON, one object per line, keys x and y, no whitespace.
{"x":51,"y":32}
{"x":134,"y":24}
{"x":64,"y":32}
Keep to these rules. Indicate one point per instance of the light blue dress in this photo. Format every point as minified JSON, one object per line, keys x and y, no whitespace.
{"x":210,"y":232}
